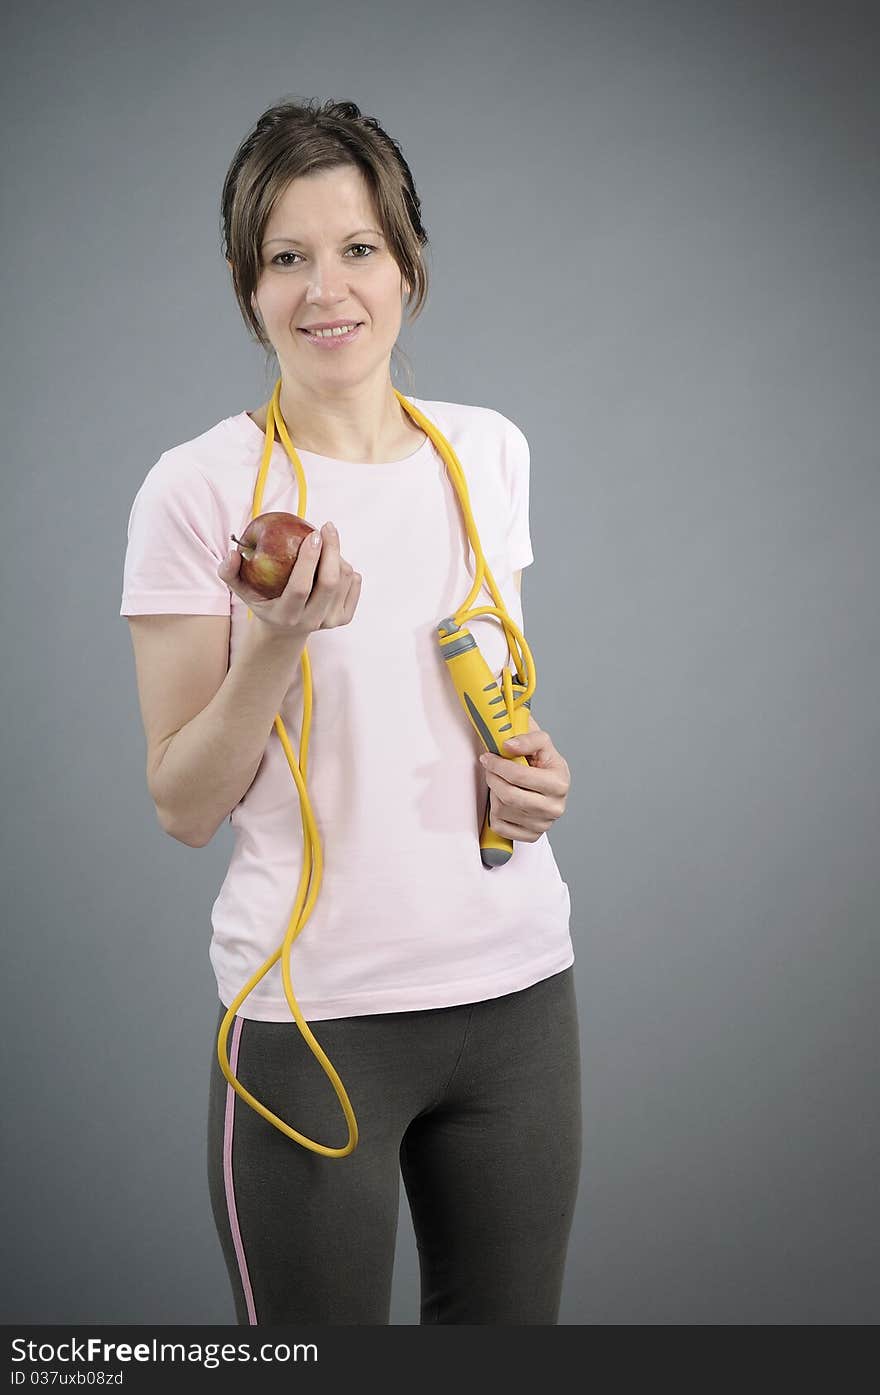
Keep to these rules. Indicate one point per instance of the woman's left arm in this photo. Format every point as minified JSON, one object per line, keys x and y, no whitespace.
{"x":524,"y":800}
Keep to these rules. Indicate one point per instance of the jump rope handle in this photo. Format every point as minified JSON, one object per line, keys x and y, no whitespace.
{"x":493,"y":719}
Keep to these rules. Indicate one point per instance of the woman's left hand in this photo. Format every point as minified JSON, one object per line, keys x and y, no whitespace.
{"x":524,"y":800}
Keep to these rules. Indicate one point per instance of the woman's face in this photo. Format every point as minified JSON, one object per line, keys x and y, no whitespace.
{"x":324,"y":258}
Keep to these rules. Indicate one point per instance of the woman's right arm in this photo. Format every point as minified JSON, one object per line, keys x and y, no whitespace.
{"x":200,"y":766}
{"x":207,"y":726}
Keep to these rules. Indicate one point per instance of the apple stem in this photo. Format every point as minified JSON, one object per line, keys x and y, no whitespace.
{"x":246,"y":552}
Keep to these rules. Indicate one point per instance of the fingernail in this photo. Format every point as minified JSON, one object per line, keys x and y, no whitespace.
{"x":316,"y":537}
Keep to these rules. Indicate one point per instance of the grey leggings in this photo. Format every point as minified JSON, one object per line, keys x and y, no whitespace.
{"x":477,"y":1105}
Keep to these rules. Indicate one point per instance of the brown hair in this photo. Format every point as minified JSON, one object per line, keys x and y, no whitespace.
{"x":294,"y":138}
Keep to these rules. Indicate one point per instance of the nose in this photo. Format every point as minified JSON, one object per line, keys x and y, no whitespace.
{"x":326,"y":283}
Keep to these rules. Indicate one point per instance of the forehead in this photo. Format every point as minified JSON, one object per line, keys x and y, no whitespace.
{"x":326,"y":203}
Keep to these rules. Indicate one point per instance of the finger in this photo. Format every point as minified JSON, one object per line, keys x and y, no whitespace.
{"x":520,"y":803}
{"x":330,"y":565}
{"x":515,"y":832}
{"x":349,"y":605}
{"x":316,"y":585}
{"x":336,"y":610}
{"x":229,"y":571}
{"x":511,"y":823}
{"x":525,"y":777}
{"x":535,"y":742}
{"x":229,"y":566}
{"x":506,"y":809}
{"x":302,"y":573}
{"x":547,"y":801}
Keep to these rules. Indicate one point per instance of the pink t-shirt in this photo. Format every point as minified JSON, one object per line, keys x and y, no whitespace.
{"x":407,"y":916}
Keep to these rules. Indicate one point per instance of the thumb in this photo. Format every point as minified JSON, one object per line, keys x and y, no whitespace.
{"x":535,"y":745}
{"x":230,"y":565}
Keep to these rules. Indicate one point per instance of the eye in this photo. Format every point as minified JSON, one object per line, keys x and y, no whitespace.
{"x":276,"y":261}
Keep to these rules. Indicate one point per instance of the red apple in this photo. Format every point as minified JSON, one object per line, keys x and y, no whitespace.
{"x":269,"y":547}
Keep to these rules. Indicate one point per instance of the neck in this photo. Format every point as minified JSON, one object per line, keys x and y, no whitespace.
{"x":358,"y":424}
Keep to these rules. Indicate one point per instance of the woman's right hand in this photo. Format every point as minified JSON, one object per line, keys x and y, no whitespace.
{"x":322,"y":590}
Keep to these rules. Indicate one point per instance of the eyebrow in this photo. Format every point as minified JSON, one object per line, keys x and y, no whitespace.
{"x":345,"y":239}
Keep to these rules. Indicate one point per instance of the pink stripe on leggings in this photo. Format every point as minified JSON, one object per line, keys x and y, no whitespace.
{"x":227,"y":1174}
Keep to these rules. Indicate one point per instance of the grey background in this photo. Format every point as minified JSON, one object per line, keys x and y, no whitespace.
{"x":654,"y":246}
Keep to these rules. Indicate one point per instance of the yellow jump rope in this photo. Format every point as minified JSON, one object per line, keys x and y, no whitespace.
{"x":496,"y":713}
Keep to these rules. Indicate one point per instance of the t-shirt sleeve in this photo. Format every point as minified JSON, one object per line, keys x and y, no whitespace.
{"x":175,"y":545}
{"x":519,"y":542}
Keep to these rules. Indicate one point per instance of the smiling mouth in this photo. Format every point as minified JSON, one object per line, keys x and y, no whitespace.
{"x":312,"y":335}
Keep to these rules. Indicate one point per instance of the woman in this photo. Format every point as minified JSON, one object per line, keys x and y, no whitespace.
{"x":442,"y":991}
